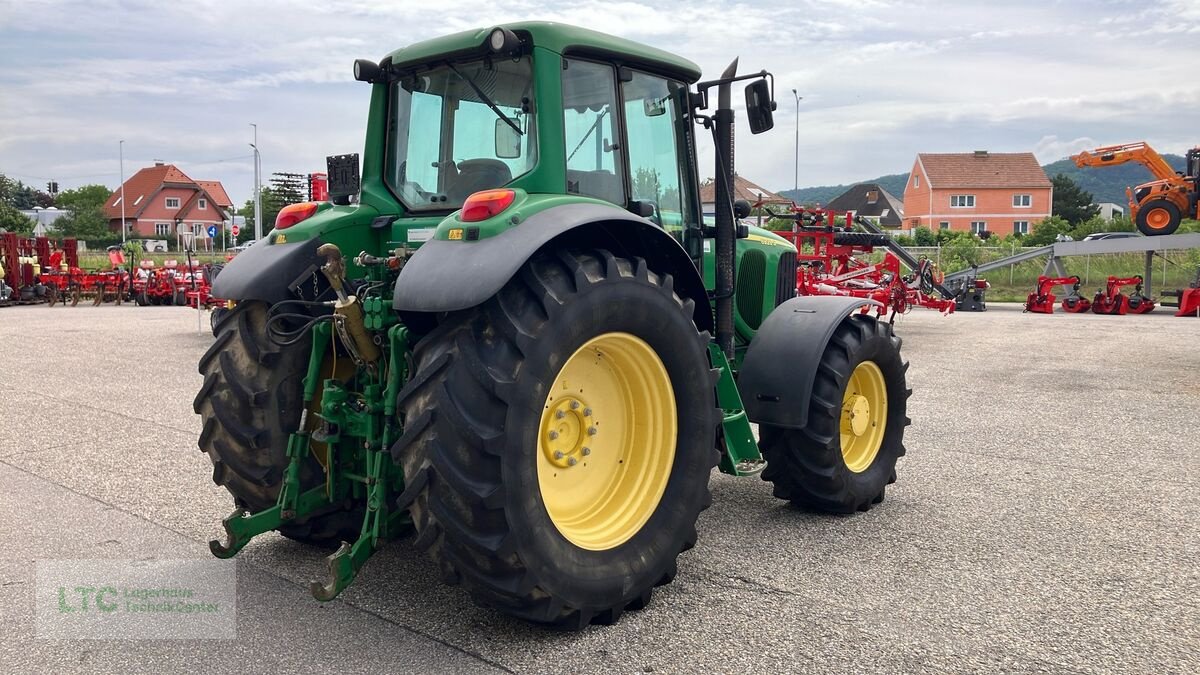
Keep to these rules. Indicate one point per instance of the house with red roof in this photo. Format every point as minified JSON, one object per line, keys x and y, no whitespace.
{"x":162,"y":202}
{"x":979,"y":191}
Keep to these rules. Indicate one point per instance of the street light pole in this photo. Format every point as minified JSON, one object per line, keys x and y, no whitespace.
{"x":796,"y":174}
{"x":121,"y":150}
{"x":257,"y":187}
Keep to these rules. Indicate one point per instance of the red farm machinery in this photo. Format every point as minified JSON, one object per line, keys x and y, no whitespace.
{"x":1187,"y":299}
{"x":37,"y":270}
{"x":40,"y":270}
{"x":835,"y":261}
{"x":1108,"y":300}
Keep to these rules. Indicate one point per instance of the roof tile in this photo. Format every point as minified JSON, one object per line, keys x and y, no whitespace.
{"x":983,"y":170}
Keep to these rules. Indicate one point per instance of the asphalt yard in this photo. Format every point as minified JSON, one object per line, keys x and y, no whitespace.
{"x":1045,"y":519}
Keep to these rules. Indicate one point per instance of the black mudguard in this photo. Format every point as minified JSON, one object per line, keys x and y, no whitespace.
{"x":780,"y":365}
{"x":268,"y":272}
{"x":445,"y":276}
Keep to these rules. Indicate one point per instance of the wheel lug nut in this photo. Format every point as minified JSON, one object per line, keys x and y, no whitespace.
{"x":571,"y":461}
{"x":560,"y":414}
{"x":586,"y":451}
{"x":591,"y":431}
{"x":558,"y":454}
{"x":574,"y":405}
{"x":553,"y":435}
{"x":587,"y":412}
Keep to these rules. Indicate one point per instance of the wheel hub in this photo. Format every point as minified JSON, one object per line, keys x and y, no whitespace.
{"x":858,"y":414}
{"x":566,"y":428}
{"x":1158,"y":218}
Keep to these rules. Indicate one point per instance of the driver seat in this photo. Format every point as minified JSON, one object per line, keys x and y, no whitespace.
{"x":478,"y":174}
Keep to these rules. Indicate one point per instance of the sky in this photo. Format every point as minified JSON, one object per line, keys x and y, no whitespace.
{"x":881,"y":80}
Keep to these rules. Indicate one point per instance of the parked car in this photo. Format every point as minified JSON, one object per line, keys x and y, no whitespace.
{"x":1097,"y":236}
{"x":153,"y":245}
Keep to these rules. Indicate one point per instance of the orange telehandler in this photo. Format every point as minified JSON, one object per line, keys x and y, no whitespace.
{"x":1156,"y":207}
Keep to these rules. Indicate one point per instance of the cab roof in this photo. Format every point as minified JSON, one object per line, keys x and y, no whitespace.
{"x":557,"y":37}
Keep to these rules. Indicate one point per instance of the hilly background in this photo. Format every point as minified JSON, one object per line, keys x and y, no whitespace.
{"x":1107,"y":184}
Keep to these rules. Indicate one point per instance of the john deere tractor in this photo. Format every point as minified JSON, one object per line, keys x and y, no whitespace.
{"x":512,"y":332}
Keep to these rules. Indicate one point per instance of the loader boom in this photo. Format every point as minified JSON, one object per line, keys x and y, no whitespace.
{"x":1139,"y":152}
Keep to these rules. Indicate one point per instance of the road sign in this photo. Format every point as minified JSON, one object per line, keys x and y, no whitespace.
{"x":212,"y":231}
{"x":235,"y":230}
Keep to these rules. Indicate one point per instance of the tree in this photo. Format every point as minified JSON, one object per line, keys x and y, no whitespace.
{"x":272,"y":204}
{"x":923,"y":236}
{"x":85,"y":217}
{"x":1072,"y":202}
{"x":21,"y":196}
{"x":12,"y":220}
{"x":1046,"y":231}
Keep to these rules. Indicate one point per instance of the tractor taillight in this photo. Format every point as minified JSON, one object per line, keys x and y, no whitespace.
{"x":294,"y":213}
{"x":485,"y":204}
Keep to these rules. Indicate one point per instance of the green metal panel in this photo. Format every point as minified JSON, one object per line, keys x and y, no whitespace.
{"x":556,"y":37}
{"x":759,"y":292}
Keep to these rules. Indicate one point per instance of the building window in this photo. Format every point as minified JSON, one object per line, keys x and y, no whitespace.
{"x":962,"y":201}
{"x":172,"y":202}
{"x":978,"y":226}
{"x":202,"y":204}
{"x":916,"y":180}
{"x":1022,"y":201}
{"x":162,"y":229}
{"x":1020,"y":227}
{"x":944,"y":225}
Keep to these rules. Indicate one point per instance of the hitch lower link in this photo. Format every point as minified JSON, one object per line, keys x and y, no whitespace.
{"x":356,"y":431}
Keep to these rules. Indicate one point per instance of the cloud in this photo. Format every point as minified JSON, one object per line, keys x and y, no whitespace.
{"x":881,"y":80}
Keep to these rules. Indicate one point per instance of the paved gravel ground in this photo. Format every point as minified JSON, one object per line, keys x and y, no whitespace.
{"x":1044,"y":520}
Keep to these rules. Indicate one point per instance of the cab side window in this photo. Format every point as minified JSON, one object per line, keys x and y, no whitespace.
{"x":594,"y":155}
{"x":653,"y":115}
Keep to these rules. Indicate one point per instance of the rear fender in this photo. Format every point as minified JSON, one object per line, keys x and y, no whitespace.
{"x":777,"y":374}
{"x":448,"y":275}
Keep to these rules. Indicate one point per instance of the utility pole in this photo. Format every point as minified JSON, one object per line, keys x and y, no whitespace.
{"x":257,"y":187}
{"x":121,"y":150}
{"x":796,"y":174}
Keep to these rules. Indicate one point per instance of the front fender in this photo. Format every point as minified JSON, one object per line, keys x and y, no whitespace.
{"x":780,"y":365}
{"x":449,"y":275}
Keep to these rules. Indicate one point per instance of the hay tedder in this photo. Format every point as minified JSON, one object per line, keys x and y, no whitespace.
{"x":830,"y":261}
{"x":501,"y":335}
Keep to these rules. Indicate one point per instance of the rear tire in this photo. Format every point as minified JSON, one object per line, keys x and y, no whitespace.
{"x":1158,"y":217}
{"x":473,"y":452}
{"x":249,"y":403}
{"x":809,"y":467}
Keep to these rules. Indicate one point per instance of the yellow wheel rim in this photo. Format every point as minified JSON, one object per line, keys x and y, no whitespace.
{"x":606,"y":441}
{"x":1158,"y":218}
{"x":864,"y":416}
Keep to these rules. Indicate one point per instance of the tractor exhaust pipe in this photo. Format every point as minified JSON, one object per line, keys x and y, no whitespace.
{"x":726,"y":233}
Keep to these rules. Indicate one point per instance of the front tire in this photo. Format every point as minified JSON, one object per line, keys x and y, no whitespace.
{"x":1158,"y":217}
{"x":845,"y":457}
{"x":510,"y":497}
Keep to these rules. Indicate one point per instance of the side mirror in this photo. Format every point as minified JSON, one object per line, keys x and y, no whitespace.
{"x":759,"y":107}
{"x":508,"y":141}
{"x":741,"y":207}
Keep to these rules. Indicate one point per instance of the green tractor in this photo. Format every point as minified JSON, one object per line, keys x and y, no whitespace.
{"x":539,"y":350}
